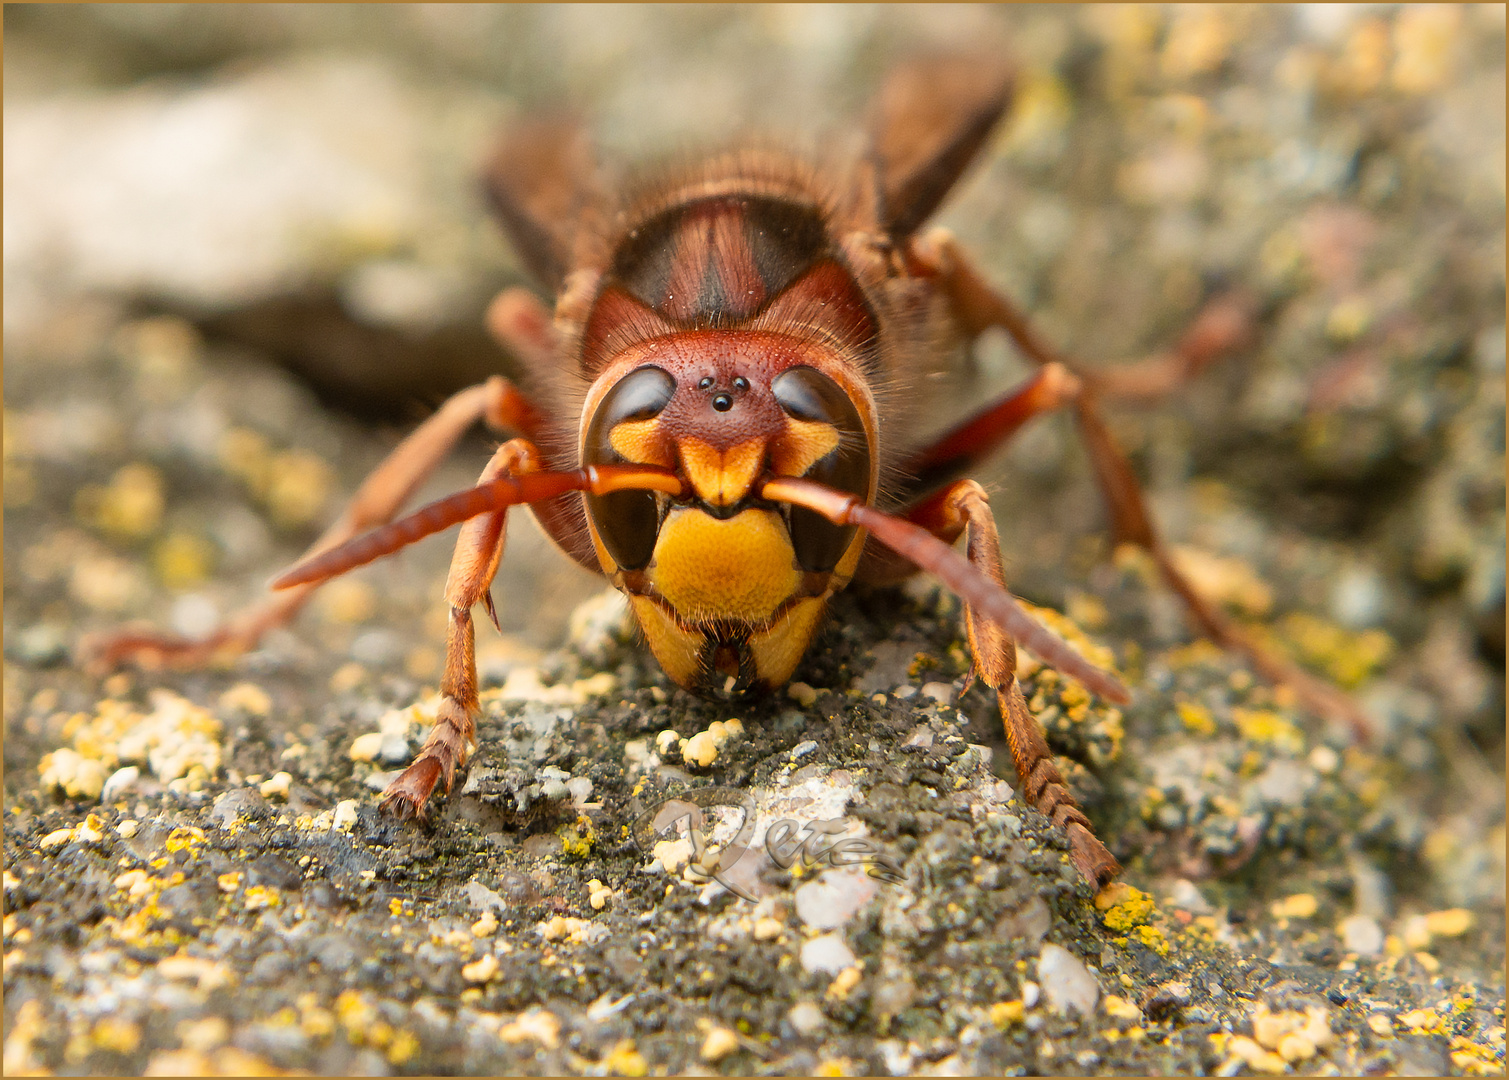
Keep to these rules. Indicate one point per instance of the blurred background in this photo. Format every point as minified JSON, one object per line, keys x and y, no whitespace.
{"x":245,"y":249}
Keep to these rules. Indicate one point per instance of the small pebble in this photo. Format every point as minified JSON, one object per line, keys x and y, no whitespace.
{"x":941,"y":692}
{"x":1452,"y":922}
{"x":121,"y":781}
{"x":394,"y":750}
{"x":1324,"y":760}
{"x":1249,"y":1053}
{"x":345,"y":815}
{"x":768,"y":929}
{"x":276,"y":784}
{"x":247,"y":697}
{"x":1295,"y":1047}
{"x":1003,"y":1014}
{"x":845,"y":981}
{"x":90,"y":831}
{"x":1415,"y":932}
{"x":806,"y":1017}
{"x":830,"y":901}
{"x":38,"y":646}
{"x":56,"y":838}
{"x":1361,"y":935}
{"x":802,"y":749}
{"x":827,"y":954}
{"x":481,"y":970}
{"x":802,"y":694}
{"x":598,"y":894}
{"x":1185,"y":894}
{"x":537,"y":1024}
{"x":720,"y":1042}
{"x":347,"y":677}
{"x":700,"y":750}
{"x":561,"y":926}
{"x":625,"y":1060}
{"x":1067,"y":983}
{"x":366,"y":747}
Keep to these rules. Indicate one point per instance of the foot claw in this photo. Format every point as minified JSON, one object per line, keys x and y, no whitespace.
{"x":407,"y":795}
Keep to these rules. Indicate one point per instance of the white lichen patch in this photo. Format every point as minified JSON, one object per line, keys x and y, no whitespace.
{"x":536,"y":1025}
{"x":78,"y":776}
{"x":524,"y":684}
{"x":1295,"y":1036}
{"x":575,"y":931}
{"x":178,"y":740}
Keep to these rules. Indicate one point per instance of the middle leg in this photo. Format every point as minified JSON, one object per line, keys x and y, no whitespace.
{"x":962,"y":509}
{"x":1223,"y":325}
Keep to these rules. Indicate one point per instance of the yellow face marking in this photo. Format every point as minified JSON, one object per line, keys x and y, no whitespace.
{"x":640,"y":441}
{"x":721,"y":479}
{"x":677,"y":649}
{"x":741,"y":569}
{"x":778,"y":650}
{"x":804,"y":444}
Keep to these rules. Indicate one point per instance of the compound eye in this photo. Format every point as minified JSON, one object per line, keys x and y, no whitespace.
{"x":627,"y":521}
{"x":639,"y":395}
{"x":808,"y":395}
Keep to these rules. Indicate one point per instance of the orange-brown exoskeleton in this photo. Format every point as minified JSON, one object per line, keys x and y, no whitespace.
{"x":720,"y":415}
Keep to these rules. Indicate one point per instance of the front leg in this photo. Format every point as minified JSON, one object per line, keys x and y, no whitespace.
{"x":479,"y":548}
{"x":382,"y":495}
{"x":962,"y":508}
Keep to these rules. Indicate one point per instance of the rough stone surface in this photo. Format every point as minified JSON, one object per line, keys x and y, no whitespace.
{"x":1339,"y":484}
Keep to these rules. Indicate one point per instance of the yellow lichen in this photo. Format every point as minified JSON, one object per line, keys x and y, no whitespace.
{"x":718,"y":1043}
{"x":1123,"y":907}
{"x":483,"y":969}
{"x":845,"y":981}
{"x":1070,"y":631}
{"x":1424,"y":1022}
{"x":1153,"y":938}
{"x":1298,"y":906}
{"x":1005,"y":1013}
{"x":1264,"y":726}
{"x":625,"y":1060}
{"x":1348,"y":658}
{"x":261,"y":896}
{"x":404,"y":1046}
{"x":578,"y":838}
{"x":298,"y":486}
{"x":129,"y":508}
{"x":535,"y":1024}
{"x":1453,"y":922}
{"x":183,"y":559}
{"x":1225,"y":580}
{"x":1196,"y":718}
